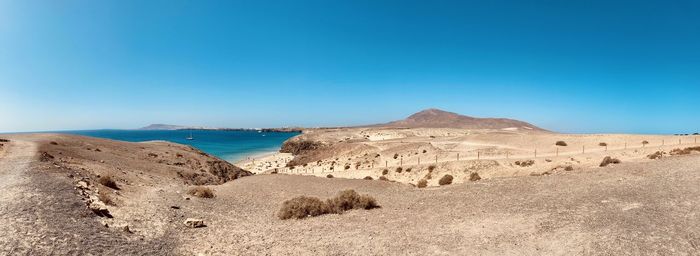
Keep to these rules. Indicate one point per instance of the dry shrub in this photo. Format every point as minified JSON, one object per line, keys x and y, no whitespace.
{"x":408,"y":169}
{"x":349,"y":200}
{"x":368,"y":178}
{"x":445,"y":180}
{"x":684,"y":151}
{"x":53,"y":143}
{"x":105,"y":197}
{"x":603,"y":144}
{"x":347,"y":166}
{"x":474,"y":176}
{"x":302,"y":207}
{"x":422,"y":183}
{"x":385,"y":172}
{"x":4,"y":140}
{"x":645,"y":142}
{"x":399,"y":169}
{"x":396,"y":156}
{"x":203,"y":192}
{"x":568,"y":168}
{"x":609,"y":160}
{"x":656,"y":155}
{"x":383,"y":178}
{"x":561,"y":143}
{"x":525,"y":163}
{"x":329,"y":176}
{"x":108,"y":181}
{"x":431,"y":168}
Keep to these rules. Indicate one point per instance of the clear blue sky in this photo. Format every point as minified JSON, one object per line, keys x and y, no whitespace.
{"x":569,"y":66}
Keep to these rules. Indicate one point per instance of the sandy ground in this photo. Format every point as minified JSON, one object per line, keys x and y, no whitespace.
{"x":633,"y":208}
{"x":368,"y":152}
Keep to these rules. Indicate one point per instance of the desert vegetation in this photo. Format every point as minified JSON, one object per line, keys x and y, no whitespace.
{"x":609,"y":160}
{"x":399,"y":169}
{"x":561,"y":143}
{"x":385,"y":172}
{"x":330,"y":176}
{"x":104,"y":196}
{"x":108,"y":181}
{"x":199,"y":191}
{"x":603,"y":144}
{"x":422,"y":183}
{"x":368,"y":178}
{"x":445,"y":180}
{"x":684,"y":151}
{"x":474,"y":176}
{"x":525,"y":163}
{"x":303,"y":206}
{"x":656,"y":155}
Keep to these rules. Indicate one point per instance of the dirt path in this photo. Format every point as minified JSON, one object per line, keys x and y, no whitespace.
{"x":42,"y":214}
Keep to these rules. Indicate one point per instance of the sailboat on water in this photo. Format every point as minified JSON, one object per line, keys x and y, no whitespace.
{"x":190,"y":137}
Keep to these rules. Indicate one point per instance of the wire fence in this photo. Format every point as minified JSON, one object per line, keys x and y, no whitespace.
{"x":447,"y":157}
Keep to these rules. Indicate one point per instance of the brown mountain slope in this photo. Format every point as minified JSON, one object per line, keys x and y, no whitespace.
{"x":435,"y":118}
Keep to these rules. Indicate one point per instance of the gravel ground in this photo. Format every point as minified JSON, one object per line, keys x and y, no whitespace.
{"x":634,"y":208}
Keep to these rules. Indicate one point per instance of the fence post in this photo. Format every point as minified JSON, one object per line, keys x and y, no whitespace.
{"x":584,"y":149}
{"x":557,"y":151}
{"x":386,"y":164}
{"x":457,"y":156}
{"x":418,"y":160}
{"x":401,"y":164}
{"x":436,"y":159}
{"x":478,"y":155}
{"x":535,"y":153}
{"x":625,"y":145}
{"x":663,"y":142}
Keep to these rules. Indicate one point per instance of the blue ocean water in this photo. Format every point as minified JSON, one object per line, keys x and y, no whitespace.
{"x":227,"y":145}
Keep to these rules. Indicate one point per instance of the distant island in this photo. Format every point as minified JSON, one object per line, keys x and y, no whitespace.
{"x":170,"y":127}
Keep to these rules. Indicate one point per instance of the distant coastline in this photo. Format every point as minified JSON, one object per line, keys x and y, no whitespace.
{"x":169,"y":127}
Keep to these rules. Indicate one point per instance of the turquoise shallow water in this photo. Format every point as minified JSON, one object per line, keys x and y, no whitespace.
{"x":228,"y":145}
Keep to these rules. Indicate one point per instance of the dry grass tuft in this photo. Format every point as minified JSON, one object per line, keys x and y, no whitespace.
{"x":108,"y":181}
{"x":349,"y":200}
{"x":609,"y":160}
{"x":431,"y":168}
{"x":383,"y":178}
{"x":329,"y":176}
{"x":385,"y":172}
{"x":369,"y":178}
{"x":685,"y":151}
{"x":445,"y":180}
{"x":603,"y":144}
{"x":561,"y":143}
{"x":525,"y":163}
{"x":656,"y":155}
{"x":203,"y":192}
{"x":474,"y":176}
{"x":105,"y":197}
{"x":399,"y":169}
{"x":302,"y":207}
{"x":422,"y":183}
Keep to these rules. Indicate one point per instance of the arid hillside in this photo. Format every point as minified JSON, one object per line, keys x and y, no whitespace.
{"x":49,"y":181}
{"x":435,"y":118}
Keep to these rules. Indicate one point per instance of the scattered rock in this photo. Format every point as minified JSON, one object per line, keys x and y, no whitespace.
{"x":45,"y":157}
{"x":82,"y":185}
{"x":126,"y":229}
{"x":100,"y":209}
{"x":194,"y":223}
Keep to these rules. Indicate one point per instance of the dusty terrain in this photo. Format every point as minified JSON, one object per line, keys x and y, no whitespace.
{"x":632,"y":208}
